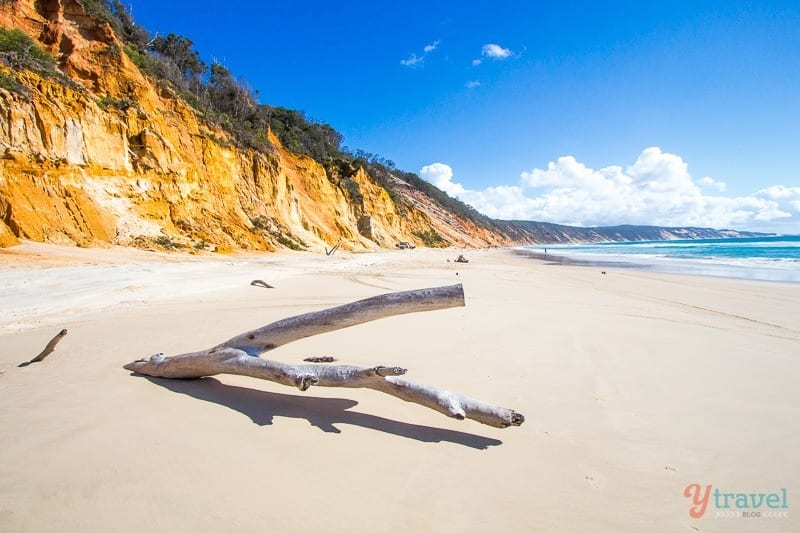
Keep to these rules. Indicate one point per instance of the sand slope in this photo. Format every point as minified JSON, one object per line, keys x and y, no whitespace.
{"x":633,"y":386}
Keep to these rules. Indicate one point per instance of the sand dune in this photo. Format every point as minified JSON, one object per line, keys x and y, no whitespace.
{"x":634,"y":385}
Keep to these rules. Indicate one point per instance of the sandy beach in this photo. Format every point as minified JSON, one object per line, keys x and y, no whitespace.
{"x":634,"y":385}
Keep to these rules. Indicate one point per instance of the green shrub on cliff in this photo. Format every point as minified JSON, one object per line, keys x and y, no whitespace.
{"x":10,"y":83}
{"x":142,"y":61}
{"x":431,"y":238}
{"x":18,"y":50}
{"x":314,"y":139}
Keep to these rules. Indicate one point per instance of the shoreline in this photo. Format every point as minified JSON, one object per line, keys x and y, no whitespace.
{"x":46,"y":284}
{"x":677,"y":266}
{"x":634,"y":385}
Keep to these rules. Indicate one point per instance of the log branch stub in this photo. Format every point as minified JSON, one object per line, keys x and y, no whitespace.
{"x":320,"y":359}
{"x":258,"y":341}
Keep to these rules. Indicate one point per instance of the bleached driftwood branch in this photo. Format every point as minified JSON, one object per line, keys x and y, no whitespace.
{"x":239,"y":355}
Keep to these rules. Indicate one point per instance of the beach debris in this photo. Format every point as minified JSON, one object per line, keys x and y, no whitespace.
{"x":462,"y":259}
{"x":51,"y":346}
{"x":320,"y":359}
{"x":241,"y":356}
{"x":603,"y":272}
{"x":403,"y":245}
{"x":332,"y":250}
{"x":261,"y":283}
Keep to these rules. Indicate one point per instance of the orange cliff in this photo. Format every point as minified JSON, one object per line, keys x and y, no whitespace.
{"x":76,"y":171}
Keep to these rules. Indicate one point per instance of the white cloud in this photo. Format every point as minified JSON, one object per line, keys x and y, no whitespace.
{"x":431,"y":47}
{"x":786,"y":200}
{"x":656,"y":189}
{"x":440,"y":175}
{"x":721,"y":186}
{"x":492,"y":51}
{"x":495,"y":51}
{"x":780,"y":193}
{"x":414,"y":60}
{"x":472,"y":84}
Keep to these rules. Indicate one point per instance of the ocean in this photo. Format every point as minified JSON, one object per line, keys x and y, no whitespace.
{"x":762,"y":258}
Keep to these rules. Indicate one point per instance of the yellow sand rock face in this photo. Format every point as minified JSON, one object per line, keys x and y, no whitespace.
{"x":75,"y":170}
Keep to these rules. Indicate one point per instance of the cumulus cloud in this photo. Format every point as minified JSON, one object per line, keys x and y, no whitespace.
{"x":657,"y":189}
{"x":495,"y":51}
{"x":414,"y":60}
{"x":786,"y":200}
{"x":472,"y":84}
{"x":707,"y":181}
{"x":441,"y":175}
{"x":492,"y":51}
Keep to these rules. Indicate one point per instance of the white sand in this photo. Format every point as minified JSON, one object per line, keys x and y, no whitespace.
{"x":633,"y":384}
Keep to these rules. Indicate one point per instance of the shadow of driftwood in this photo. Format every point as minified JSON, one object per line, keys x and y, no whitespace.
{"x":262,"y":407}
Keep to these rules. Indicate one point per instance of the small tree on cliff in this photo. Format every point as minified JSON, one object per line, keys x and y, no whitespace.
{"x":130,"y":32}
{"x":228,"y":95}
{"x":181,"y":51}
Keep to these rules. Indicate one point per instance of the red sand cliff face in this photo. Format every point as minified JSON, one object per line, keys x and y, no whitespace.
{"x":74,"y":171}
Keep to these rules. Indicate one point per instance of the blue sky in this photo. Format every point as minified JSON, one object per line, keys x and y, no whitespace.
{"x":575,"y":112}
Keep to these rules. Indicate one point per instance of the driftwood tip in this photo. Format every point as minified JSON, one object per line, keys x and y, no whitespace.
{"x":135,"y":366}
{"x":140,"y":364}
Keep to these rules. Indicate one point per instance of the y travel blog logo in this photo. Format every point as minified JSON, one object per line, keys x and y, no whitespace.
{"x":736,"y":504}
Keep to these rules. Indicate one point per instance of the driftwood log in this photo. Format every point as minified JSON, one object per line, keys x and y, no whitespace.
{"x":51,"y":346}
{"x":261,"y":283}
{"x":240,"y":355}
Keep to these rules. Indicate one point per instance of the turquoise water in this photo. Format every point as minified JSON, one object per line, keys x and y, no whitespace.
{"x":767,"y":258}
